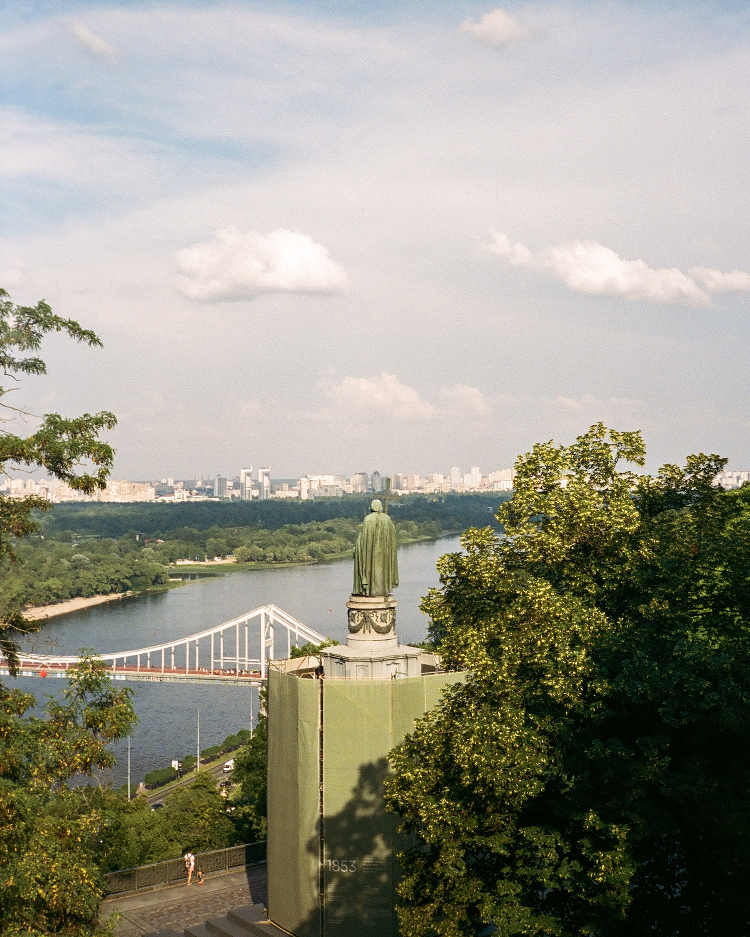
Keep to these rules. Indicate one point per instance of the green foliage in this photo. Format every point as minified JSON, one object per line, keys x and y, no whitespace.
{"x":159,"y":777}
{"x":249,"y":773}
{"x":194,"y":522}
{"x":49,"y":832}
{"x":50,"y":571}
{"x":63,"y":564}
{"x":194,"y":817}
{"x":303,"y":650}
{"x":136,"y":835}
{"x":589,"y":777}
{"x":212,"y":753}
{"x":197,"y":816}
{"x":68,"y":449}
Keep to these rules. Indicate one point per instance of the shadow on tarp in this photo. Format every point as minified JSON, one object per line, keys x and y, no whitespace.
{"x":359,"y":869}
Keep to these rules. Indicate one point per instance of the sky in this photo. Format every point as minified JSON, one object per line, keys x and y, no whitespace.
{"x":333,"y":237}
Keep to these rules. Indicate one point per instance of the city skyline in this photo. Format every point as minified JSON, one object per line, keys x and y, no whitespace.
{"x":326,"y":232}
{"x":307,"y":487}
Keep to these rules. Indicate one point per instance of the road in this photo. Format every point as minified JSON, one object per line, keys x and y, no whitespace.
{"x":158,"y":797}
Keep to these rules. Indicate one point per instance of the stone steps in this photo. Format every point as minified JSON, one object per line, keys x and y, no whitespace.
{"x":223,"y":927}
{"x":249,"y":921}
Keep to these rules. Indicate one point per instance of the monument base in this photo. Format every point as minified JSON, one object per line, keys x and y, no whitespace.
{"x":332,"y":844}
{"x":333,"y":717}
{"x":372,"y":650}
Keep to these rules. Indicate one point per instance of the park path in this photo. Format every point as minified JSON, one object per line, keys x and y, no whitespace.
{"x":179,"y":906}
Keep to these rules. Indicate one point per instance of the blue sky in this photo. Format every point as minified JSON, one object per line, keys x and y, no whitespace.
{"x":341,"y":237}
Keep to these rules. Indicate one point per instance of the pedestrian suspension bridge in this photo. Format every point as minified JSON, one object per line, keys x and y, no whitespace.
{"x":217,"y":655}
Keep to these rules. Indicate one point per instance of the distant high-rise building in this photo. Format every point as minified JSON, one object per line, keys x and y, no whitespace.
{"x":731,"y":478}
{"x":398,"y":483}
{"x":376,"y":482}
{"x":264,"y":483}
{"x":359,"y":482}
{"x":502,"y":480}
{"x":246,"y":483}
{"x":457,"y":479}
{"x":220,"y":487}
{"x":473,"y":479}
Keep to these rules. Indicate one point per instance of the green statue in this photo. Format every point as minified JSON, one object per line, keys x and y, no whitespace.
{"x":375,"y":563}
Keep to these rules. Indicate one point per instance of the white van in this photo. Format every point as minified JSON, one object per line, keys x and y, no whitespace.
{"x":228,"y":765}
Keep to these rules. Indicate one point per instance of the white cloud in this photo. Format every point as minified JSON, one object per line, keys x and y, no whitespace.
{"x":383,"y":395}
{"x":496,"y":27}
{"x":92,"y":43}
{"x":718,"y":282}
{"x":516,"y":254}
{"x":237,"y":265}
{"x":466,"y":400}
{"x":386,"y":395}
{"x":588,"y":267}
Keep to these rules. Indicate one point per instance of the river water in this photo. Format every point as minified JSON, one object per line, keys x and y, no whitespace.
{"x":168,"y":712}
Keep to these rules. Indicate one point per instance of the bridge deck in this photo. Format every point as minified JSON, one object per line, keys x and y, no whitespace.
{"x":226,"y":648}
{"x":146,"y":674}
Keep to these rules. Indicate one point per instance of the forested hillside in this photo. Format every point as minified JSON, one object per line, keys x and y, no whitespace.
{"x":81,"y":550}
{"x":453,"y":511}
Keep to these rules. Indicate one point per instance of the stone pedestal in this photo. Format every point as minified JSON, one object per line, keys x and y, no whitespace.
{"x":372,"y":650}
{"x":372,"y":621}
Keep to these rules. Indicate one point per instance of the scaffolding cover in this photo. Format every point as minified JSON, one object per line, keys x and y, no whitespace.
{"x":293,"y":804}
{"x":345,"y":885}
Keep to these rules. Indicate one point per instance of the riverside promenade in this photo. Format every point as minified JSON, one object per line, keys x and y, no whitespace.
{"x":175,"y":907}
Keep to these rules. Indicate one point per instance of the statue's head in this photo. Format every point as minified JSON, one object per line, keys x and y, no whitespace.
{"x":376,"y":505}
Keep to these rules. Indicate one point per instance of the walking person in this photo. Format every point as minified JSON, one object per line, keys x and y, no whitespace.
{"x":189,"y":864}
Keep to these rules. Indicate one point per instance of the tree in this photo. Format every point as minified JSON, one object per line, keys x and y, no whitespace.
{"x":48,"y":830}
{"x":135,"y":835}
{"x":49,"y":880}
{"x":589,"y":776}
{"x":250,"y":773}
{"x":197,"y":816}
{"x":68,"y":449}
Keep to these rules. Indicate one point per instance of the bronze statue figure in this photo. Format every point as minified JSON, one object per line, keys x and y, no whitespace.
{"x":375,"y":563}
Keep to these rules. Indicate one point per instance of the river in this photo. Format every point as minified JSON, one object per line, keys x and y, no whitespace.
{"x":168,"y":712}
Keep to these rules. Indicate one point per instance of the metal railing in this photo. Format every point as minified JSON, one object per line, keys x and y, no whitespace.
{"x":173,"y":870}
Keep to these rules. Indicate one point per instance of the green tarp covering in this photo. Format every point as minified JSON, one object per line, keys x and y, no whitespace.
{"x":293,"y":804}
{"x":340,"y":884}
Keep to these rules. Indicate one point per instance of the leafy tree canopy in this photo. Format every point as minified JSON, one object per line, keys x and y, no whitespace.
{"x":303,"y":650}
{"x":49,"y":881}
{"x":590,"y":775}
{"x":49,"y":831}
{"x":68,"y":449}
{"x":249,"y":772}
{"x":450,"y":512}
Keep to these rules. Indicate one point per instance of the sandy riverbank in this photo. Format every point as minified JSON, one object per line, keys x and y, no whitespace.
{"x":69,"y":605}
